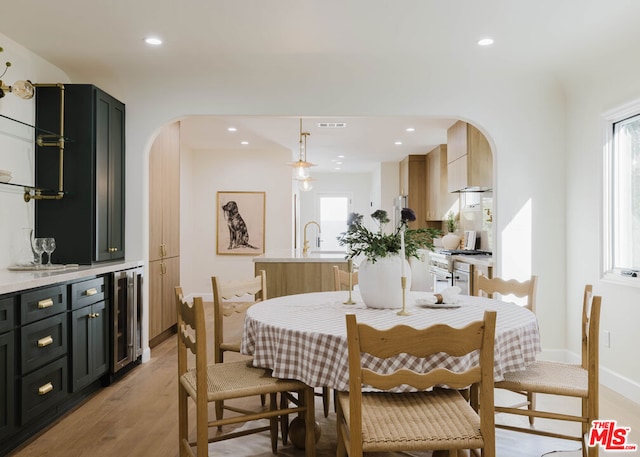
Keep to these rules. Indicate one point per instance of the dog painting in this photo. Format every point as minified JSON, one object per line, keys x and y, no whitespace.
{"x":241,"y":223}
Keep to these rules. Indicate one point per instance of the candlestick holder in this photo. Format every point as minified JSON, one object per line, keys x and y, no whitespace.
{"x":350,"y":271}
{"x":403,"y":311}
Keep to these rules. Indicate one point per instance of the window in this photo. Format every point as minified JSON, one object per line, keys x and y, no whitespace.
{"x":334,"y":211}
{"x":622,"y":192}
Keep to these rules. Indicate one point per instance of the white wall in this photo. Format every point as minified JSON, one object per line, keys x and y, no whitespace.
{"x":594,"y":91}
{"x":205,"y":173}
{"x":17,"y":147}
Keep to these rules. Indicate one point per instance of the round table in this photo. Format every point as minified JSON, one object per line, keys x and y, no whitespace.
{"x":304,"y":336}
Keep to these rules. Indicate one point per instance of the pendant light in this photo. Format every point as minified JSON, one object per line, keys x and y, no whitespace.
{"x":301,"y":167}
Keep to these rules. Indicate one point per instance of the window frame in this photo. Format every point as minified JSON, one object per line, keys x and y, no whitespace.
{"x":610,"y":118}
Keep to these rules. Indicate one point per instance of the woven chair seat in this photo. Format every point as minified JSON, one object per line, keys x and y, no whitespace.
{"x":416,"y":421}
{"x":236,"y":380}
{"x":548,"y":378}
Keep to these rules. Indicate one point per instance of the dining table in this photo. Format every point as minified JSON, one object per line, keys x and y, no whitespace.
{"x":304,"y":336}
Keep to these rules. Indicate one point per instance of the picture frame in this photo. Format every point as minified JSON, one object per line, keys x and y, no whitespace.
{"x":240,"y":223}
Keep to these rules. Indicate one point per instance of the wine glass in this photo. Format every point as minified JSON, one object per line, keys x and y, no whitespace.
{"x":38,"y":248}
{"x":49,"y":246}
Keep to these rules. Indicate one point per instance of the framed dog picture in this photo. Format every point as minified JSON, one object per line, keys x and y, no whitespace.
{"x":241,"y":219}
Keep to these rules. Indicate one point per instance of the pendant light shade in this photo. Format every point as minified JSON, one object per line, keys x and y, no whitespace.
{"x":301,"y":168}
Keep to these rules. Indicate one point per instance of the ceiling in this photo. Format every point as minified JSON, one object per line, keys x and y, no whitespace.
{"x":225,"y":43}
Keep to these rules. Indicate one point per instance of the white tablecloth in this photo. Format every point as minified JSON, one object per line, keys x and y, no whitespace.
{"x":304,"y":336}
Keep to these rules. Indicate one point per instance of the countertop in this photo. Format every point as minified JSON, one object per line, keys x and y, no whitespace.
{"x":291,"y":255}
{"x":13,"y":281}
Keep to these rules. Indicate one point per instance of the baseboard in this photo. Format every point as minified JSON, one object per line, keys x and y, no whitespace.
{"x":608,"y":378}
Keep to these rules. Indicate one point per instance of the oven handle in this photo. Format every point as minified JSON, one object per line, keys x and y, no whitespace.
{"x":440,"y":272}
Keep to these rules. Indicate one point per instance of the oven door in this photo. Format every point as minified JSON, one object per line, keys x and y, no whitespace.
{"x":441,"y":279}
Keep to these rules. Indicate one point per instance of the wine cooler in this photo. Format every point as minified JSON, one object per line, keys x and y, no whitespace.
{"x":127,"y":318}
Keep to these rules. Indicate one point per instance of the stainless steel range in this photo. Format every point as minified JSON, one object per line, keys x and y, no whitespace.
{"x":447,"y":272}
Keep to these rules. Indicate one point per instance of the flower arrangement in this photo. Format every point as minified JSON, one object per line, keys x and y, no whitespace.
{"x":374,"y":245}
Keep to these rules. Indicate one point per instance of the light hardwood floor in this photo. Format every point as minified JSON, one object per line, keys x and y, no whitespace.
{"x":137,"y":416}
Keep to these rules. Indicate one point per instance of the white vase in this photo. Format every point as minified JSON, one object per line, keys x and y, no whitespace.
{"x":380,"y":284}
{"x":451,"y":241}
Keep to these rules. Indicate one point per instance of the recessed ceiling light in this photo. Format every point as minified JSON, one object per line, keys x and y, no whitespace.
{"x":153,"y":40}
{"x":485,"y":42}
{"x":232,"y":129}
{"x":341,"y":156}
{"x":244,"y":143}
{"x":398,"y":143}
{"x":411,"y":129}
{"x":338,"y":163}
{"x":337,"y":168}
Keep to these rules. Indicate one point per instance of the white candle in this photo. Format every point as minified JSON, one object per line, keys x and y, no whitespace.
{"x":402,"y":254}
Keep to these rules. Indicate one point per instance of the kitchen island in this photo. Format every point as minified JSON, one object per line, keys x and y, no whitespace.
{"x":290,"y":272}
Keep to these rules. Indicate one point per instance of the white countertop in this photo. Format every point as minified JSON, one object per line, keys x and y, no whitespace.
{"x":13,"y":281}
{"x":290,"y":255}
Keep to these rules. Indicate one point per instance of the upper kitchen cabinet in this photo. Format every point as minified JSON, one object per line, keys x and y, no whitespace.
{"x":439,"y":200}
{"x":412,"y":183}
{"x":470,"y":163}
{"x":88,"y":222}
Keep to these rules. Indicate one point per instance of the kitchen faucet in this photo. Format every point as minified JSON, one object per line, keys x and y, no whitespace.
{"x":305,"y":246}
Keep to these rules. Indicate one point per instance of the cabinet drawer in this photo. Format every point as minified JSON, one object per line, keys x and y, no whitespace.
{"x":87,"y":292}
{"x":43,"y":389}
{"x":42,"y":303}
{"x":43,"y":341}
{"x":7,"y":319}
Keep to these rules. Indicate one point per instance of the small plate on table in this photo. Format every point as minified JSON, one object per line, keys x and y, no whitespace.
{"x":431,"y":304}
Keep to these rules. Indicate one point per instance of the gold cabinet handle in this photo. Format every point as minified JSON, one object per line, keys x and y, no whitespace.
{"x":94,"y":315}
{"x":43,"y":390}
{"x":90,"y":292}
{"x":42,"y":304}
{"x":163,"y":268}
{"x":46,"y":341}
{"x":163,"y":250}
{"x":113,"y":249}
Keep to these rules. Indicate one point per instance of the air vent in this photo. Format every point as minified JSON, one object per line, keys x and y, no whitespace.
{"x":332,"y":125}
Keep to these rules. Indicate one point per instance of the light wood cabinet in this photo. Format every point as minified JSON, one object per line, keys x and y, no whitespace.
{"x":290,"y":278}
{"x":470,"y":163}
{"x":164,"y":194}
{"x":439,"y":200}
{"x":164,"y":232}
{"x":164,"y":276}
{"x":413,"y":176}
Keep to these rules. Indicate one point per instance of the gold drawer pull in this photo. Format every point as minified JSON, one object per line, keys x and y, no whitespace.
{"x":43,"y":390}
{"x":112,"y":249}
{"x":45,"y":303}
{"x":46,"y":341}
{"x":90,"y":292}
{"x":94,"y":315}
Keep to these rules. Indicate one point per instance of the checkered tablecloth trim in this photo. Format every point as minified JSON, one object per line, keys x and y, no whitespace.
{"x":304,"y":337}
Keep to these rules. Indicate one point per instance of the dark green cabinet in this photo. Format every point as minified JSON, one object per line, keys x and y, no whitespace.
{"x":90,"y":355}
{"x":7,"y":367}
{"x":88,"y":222}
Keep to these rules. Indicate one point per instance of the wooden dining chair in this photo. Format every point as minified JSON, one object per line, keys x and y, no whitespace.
{"x":205,"y":383}
{"x":525,"y":289}
{"x":564,"y":379}
{"x":250,"y":291}
{"x":491,"y":286}
{"x":341,"y":279}
{"x":431,"y":418}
